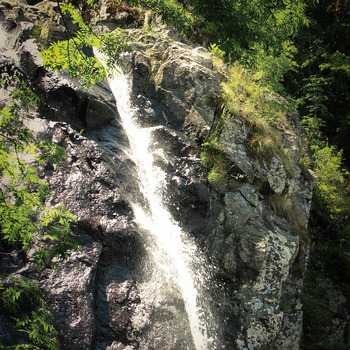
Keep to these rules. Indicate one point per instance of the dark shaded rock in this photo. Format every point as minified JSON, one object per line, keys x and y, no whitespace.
{"x":151,"y":112}
{"x":100,"y":108}
{"x":115,"y":302}
{"x":70,"y":293}
{"x":62,"y":100}
{"x":142,"y":65}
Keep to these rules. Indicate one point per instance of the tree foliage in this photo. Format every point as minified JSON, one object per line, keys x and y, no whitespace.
{"x":75,"y":54}
{"x":25,"y":220}
{"x":322,"y":82}
{"x":258,"y":34}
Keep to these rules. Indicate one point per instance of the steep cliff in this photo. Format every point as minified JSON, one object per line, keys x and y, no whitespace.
{"x":250,"y":228}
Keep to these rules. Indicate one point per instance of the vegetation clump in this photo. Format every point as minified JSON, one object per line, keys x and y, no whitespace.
{"x":261,"y":110}
{"x":221,"y":171}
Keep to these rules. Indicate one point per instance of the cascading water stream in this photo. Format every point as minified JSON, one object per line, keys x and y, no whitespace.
{"x":173,"y":254}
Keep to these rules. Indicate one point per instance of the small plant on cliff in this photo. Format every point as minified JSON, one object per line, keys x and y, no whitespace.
{"x":219,"y":167}
{"x":25,"y":221}
{"x":214,"y":160}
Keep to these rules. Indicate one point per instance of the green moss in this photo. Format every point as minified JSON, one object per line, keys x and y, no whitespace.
{"x":214,"y":160}
{"x":36,"y":32}
{"x":228,"y":229}
{"x":221,"y":171}
{"x":285,"y":305}
{"x":260,"y":108}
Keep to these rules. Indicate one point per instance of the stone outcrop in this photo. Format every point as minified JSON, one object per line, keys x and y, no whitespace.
{"x":107,"y":296}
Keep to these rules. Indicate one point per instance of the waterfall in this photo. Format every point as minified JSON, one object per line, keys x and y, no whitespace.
{"x":173,"y":252}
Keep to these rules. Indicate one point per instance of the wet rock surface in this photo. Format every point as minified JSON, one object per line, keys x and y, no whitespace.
{"x":109,"y":295}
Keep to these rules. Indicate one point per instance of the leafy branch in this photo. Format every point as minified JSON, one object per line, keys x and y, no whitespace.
{"x":25,"y":307}
{"x":79,"y":64}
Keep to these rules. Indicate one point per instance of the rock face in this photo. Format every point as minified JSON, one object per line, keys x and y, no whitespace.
{"x":108,"y":296}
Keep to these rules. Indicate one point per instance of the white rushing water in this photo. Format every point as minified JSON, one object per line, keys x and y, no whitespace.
{"x":173,"y":253}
